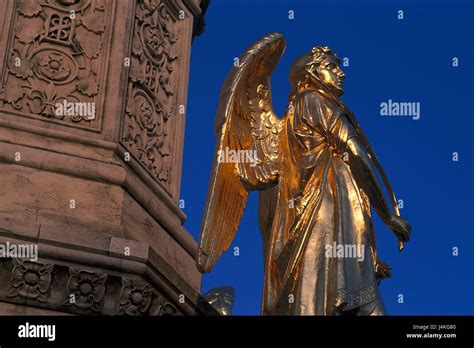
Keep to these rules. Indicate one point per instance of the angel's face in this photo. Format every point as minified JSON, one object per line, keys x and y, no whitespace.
{"x":331,"y":74}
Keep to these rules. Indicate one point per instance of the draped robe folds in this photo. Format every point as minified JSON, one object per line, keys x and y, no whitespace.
{"x":319,"y":205}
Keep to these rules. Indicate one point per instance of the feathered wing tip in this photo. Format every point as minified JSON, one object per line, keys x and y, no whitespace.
{"x":254,"y":53}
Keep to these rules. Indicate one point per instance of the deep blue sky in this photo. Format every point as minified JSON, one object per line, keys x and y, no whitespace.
{"x":404,"y":60}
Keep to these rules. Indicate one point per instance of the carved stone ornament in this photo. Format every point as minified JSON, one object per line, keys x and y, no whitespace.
{"x":162,"y":307}
{"x":151,"y":88}
{"x":86,"y":290}
{"x":30,"y":280}
{"x":55,"y":58}
{"x":135,"y":297}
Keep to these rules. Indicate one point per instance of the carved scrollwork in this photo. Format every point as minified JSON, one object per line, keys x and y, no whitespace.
{"x":146,"y":131}
{"x":54,"y":54}
{"x":151,"y":88}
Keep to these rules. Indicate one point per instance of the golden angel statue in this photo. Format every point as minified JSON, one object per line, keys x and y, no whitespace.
{"x":317,"y":177}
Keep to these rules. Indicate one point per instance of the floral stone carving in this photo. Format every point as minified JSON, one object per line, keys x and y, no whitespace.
{"x":161,"y":307}
{"x":135,"y":297}
{"x":30,"y":280}
{"x":86,"y":290}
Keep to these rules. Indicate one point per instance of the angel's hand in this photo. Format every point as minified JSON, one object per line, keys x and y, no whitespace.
{"x":382,"y":270}
{"x":400,"y":227}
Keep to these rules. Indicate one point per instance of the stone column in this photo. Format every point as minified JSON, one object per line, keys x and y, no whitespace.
{"x":92,"y":114}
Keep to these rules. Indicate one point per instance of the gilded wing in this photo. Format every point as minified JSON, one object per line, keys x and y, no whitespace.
{"x":247,"y":129}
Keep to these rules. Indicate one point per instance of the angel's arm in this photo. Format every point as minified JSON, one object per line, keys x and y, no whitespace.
{"x":365,"y":176}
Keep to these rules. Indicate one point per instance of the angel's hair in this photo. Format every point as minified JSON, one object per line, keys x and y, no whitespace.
{"x":310,"y":60}
{"x":318,"y":54}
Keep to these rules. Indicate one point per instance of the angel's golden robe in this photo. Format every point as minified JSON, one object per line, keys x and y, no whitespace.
{"x":329,"y":208}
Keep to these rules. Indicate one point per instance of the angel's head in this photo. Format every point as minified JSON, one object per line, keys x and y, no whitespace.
{"x":321,"y":64}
